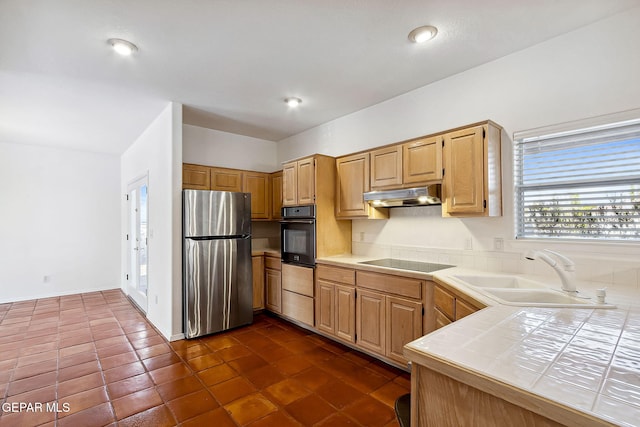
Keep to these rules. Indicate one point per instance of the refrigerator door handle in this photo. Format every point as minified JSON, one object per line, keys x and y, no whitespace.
{"x":238,"y":236}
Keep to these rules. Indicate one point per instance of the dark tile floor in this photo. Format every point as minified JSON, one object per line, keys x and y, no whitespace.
{"x":95,"y":360}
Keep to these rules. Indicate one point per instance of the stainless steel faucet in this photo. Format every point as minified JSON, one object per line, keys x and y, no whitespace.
{"x":566,"y":271}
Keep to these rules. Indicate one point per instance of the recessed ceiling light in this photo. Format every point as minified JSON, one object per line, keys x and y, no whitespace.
{"x":123,"y":47}
{"x":423,"y":34}
{"x":292,"y":101}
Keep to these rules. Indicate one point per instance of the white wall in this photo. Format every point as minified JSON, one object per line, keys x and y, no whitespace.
{"x":158,"y":153}
{"x":217,"y":148}
{"x":589,"y":72}
{"x":58,"y":219}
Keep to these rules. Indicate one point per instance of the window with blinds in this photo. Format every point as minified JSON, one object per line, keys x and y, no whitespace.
{"x":579,"y":183}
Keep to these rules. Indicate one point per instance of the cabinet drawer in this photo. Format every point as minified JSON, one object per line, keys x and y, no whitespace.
{"x":336,"y":274}
{"x":297,"y":307}
{"x":297,"y":279}
{"x":444,"y":301}
{"x":272,"y":263}
{"x":410,"y":288}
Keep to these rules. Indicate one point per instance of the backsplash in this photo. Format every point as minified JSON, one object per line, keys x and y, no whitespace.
{"x":421,"y":234}
{"x":609,"y":272}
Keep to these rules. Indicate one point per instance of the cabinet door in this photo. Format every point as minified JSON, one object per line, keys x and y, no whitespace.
{"x":258,"y":282}
{"x":226,"y":179}
{"x":422,"y":160}
{"x":325,"y":304}
{"x":273,"y":290}
{"x":345,"y":312}
{"x":404,"y":324}
{"x":441,"y":319}
{"x":257,"y":184}
{"x":290,"y":184}
{"x":195,"y":177}
{"x":306,"y":182}
{"x":463,"y":185}
{"x":276,"y":195}
{"x":463,"y":309}
{"x":353,"y":181}
{"x":386,"y":167}
{"x":370,"y":321}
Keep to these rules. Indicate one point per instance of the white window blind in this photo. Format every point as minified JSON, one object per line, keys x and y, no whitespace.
{"x":580,"y":183}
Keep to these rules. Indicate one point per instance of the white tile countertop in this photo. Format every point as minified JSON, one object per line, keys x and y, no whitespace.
{"x":585,"y":359}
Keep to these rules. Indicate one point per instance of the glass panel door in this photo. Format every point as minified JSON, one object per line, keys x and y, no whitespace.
{"x":137,"y":277}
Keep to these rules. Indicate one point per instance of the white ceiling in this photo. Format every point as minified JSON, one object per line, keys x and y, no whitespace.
{"x":232,"y":62}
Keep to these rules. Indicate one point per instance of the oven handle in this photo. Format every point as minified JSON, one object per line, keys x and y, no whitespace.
{"x":298,"y":221}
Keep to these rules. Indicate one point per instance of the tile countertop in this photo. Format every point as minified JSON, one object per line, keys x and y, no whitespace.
{"x":578,"y":359}
{"x":355,"y":260}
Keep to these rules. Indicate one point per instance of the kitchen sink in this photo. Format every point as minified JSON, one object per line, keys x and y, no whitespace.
{"x":511,"y":282}
{"x":536,"y":297}
{"x":514,"y":290}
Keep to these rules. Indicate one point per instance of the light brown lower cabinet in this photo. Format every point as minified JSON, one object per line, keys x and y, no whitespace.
{"x":335,"y":310}
{"x":371,"y":321}
{"x":345,"y":312}
{"x":438,"y":400}
{"x":386,"y":323}
{"x":297,"y":293}
{"x":336,"y":302}
{"x":325,"y":306}
{"x":449,"y":306}
{"x":273,"y":284}
{"x":258,"y":282}
{"x":404,"y":324}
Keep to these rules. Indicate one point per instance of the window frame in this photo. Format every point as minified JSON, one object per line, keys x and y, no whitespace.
{"x":584,"y":127}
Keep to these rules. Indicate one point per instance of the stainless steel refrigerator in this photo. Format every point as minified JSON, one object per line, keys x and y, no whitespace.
{"x":217,"y":274}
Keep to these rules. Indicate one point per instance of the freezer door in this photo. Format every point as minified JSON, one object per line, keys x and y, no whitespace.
{"x":218,"y":290}
{"x":216,"y":213}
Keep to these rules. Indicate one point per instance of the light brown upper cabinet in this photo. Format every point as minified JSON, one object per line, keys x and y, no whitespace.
{"x":265,"y":188}
{"x":195,"y":177}
{"x":223,"y":179}
{"x":298,"y":182}
{"x":472,"y":172}
{"x":386,"y":167}
{"x":290,"y":184}
{"x":257,"y":183}
{"x":352,"y":182}
{"x":422,"y":160}
{"x":276,"y":195}
{"x":306,"y":181}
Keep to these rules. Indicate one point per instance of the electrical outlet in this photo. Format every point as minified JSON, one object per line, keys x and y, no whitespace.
{"x":46,"y":279}
{"x":362,"y":236}
{"x":498,"y":243}
{"x":468,"y":244}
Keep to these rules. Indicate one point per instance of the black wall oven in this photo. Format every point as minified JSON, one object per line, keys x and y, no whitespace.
{"x":298,"y":235}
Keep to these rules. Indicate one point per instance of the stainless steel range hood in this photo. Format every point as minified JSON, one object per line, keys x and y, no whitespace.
{"x":404,"y":197}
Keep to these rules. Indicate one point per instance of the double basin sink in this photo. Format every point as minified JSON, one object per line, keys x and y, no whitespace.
{"x":514,"y":290}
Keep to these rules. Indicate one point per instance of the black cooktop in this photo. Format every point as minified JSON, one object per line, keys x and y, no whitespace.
{"x":424,"y":267}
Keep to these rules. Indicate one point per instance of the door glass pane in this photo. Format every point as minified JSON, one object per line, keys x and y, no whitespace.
{"x":133,"y":234}
{"x":142,"y":243}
